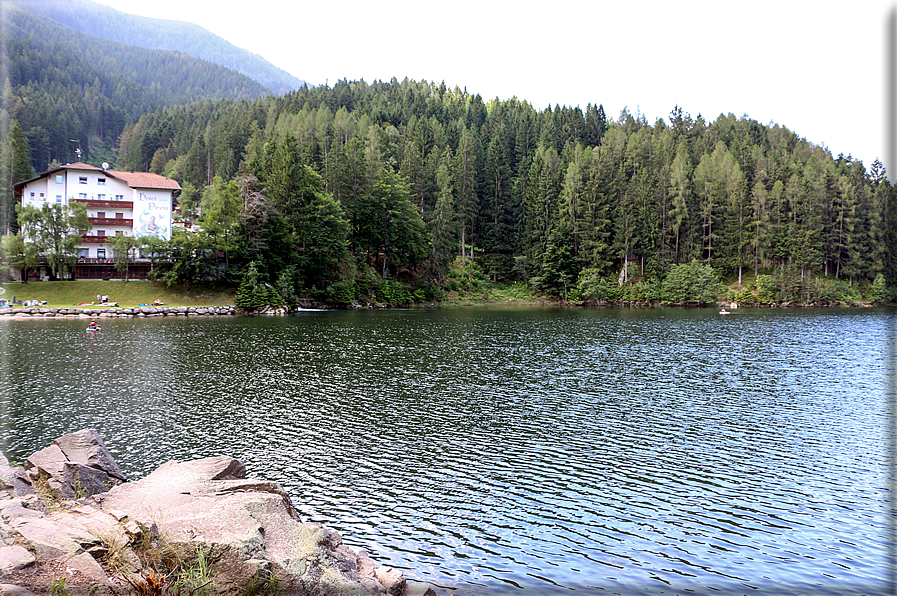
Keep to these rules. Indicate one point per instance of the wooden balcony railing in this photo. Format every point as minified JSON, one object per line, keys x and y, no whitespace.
{"x":110,"y":221}
{"x":109,"y":204}
{"x":94,"y":239}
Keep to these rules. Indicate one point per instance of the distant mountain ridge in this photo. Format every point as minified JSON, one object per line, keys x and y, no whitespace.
{"x":161,"y":34}
{"x":72,"y":90}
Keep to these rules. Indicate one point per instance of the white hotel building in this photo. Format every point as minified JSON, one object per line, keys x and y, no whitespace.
{"x":118,"y":204}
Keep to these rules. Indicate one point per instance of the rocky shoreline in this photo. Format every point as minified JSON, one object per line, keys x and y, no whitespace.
{"x":71,"y":524}
{"x":122,"y":312}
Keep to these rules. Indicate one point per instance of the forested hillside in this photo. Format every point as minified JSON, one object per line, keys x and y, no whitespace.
{"x":400,"y":176}
{"x":66,"y":85}
{"x":388,"y":190}
{"x":159,"y":34}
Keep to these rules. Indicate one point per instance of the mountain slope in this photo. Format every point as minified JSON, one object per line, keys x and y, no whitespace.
{"x":160,"y":34}
{"x":67,"y":85}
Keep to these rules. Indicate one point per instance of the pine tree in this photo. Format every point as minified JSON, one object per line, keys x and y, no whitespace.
{"x":444,"y":224}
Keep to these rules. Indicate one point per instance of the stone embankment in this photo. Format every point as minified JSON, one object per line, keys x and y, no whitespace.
{"x":129,"y":312}
{"x":71,"y":524}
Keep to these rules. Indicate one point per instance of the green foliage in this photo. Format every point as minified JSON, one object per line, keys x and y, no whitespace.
{"x":591,"y":285}
{"x":691,"y":282}
{"x":194,"y":575}
{"x":389,"y":227}
{"x":57,"y":588}
{"x":393,"y":292}
{"x":253,"y":294}
{"x":262,"y":583}
{"x":123,"y":248}
{"x":467,"y":279}
{"x":190,"y":259}
{"x":766,"y":289}
{"x":403,"y":177}
{"x":341,"y":292}
{"x":286,"y":287}
{"x":878,"y":292}
{"x":54,"y":231}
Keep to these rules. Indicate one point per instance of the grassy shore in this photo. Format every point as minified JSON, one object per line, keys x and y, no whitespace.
{"x":67,"y":294}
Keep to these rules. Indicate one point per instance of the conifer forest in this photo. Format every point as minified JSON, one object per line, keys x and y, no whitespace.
{"x":386,"y":190}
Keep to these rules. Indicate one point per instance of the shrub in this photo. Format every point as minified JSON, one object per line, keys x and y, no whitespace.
{"x":591,"y":286}
{"x":391,"y":291}
{"x":878,"y":293}
{"x":691,"y":282}
{"x":341,"y":292}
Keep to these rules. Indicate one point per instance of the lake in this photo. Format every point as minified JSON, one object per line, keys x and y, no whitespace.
{"x":514,"y":451}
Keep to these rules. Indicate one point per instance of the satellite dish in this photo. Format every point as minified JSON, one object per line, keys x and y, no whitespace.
{"x":105,"y":166}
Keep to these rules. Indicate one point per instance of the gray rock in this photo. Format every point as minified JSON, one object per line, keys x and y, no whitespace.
{"x":365,"y":564}
{"x":16,"y":508}
{"x":46,"y":538}
{"x":251,"y":525}
{"x":391,"y":579}
{"x":11,"y":590}
{"x":49,"y":458}
{"x":75,"y":465}
{"x":419,"y":589}
{"x":7,"y":473}
{"x":87,"y":448}
{"x":15,"y":558}
{"x":83,"y":481}
{"x":208,"y":501}
{"x":14,"y":479}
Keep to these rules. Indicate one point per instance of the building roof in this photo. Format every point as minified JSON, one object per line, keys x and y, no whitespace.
{"x":145,"y":180}
{"x":78,"y":165}
{"x":132,"y":179}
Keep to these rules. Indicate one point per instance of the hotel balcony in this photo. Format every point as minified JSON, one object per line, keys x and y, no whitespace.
{"x":107,"y":204}
{"x":110,"y":221}
{"x":94,"y":239}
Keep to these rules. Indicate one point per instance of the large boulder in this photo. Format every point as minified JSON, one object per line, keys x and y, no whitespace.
{"x":249,"y":524}
{"x":13,"y":480}
{"x":76,"y":465}
{"x":245,"y":531}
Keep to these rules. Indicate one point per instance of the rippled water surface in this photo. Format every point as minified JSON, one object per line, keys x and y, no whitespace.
{"x":513,"y":451}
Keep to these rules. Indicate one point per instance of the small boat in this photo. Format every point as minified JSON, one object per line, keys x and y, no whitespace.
{"x":724,"y":312}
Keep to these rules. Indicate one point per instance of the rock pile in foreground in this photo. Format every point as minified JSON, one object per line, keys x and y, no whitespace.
{"x":69,"y":523}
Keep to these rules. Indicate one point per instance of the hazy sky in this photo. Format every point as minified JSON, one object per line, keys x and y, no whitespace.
{"x":814,"y":67}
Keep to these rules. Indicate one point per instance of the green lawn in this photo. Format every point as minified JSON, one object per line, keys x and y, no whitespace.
{"x":66,"y":294}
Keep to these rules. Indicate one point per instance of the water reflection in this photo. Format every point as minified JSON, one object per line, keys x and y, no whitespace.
{"x":627,"y":451}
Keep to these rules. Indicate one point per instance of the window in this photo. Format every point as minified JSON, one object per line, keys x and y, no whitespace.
{"x":82,"y":180}
{"x":82,"y":196}
{"x":101,"y":214}
{"x":119,"y":197}
{"x":32,"y":195}
{"x":58,"y":178}
{"x":101,"y":233}
{"x":59,"y":198}
{"x":101,"y":253}
{"x":119,"y":233}
{"x":101,"y":197}
{"x":41,"y":195}
{"x":119,"y":216}
{"x":101,"y":181}
{"x":83,"y":253}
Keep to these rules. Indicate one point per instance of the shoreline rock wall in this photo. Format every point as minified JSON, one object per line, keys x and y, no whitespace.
{"x":69,"y":515}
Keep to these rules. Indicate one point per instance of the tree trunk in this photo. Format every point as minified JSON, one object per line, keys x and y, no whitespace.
{"x":463,"y":247}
